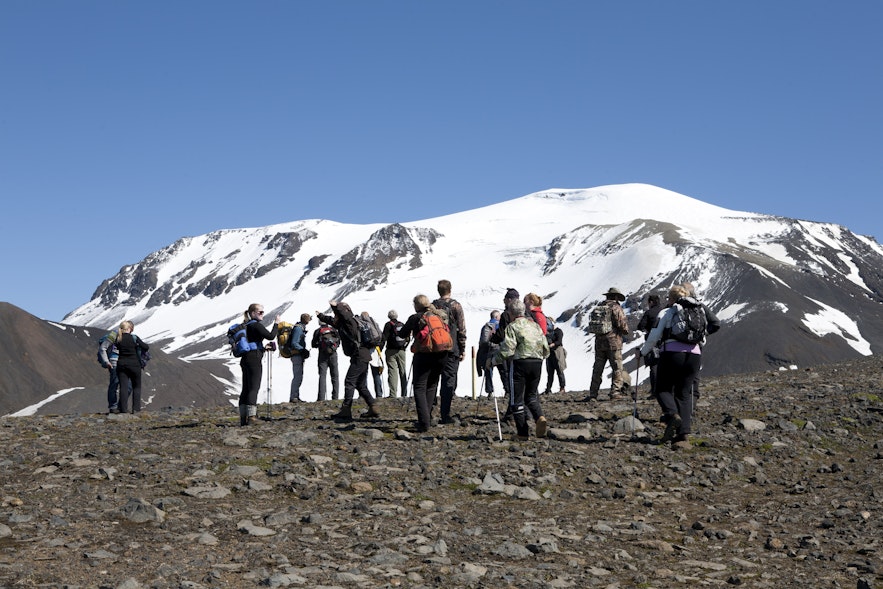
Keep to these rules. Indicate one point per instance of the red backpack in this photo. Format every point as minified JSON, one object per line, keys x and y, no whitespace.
{"x":434,"y":336}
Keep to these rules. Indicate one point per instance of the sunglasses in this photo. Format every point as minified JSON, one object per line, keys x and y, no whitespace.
{"x":260,"y":312}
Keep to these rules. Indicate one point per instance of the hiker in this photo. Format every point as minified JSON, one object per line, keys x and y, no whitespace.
{"x":679,"y":363}
{"x":457,"y":326}
{"x":713,"y":326}
{"x":356,"y":378}
{"x":326,"y":340}
{"x":428,"y":365}
{"x":525,"y":346}
{"x":395,"y":350}
{"x":297,"y":343}
{"x":646,"y":323}
{"x":486,"y":352}
{"x":556,"y":363}
{"x":252,"y":362}
{"x":533,"y":309}
{"x":129,"y":366}
{"x":107,"y":357}
{"x":497,"y":337}
{"x":612,"y":327}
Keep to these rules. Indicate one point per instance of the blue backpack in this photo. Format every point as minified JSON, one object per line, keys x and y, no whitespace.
{"x":239,"y":343}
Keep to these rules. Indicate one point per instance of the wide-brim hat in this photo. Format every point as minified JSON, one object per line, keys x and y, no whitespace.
{"x":613,"y":293}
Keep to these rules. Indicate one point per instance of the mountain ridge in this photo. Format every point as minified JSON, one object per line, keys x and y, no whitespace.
{"x":789,"y":292}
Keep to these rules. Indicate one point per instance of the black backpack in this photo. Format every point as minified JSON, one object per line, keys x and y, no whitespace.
{"x":688,"y":324}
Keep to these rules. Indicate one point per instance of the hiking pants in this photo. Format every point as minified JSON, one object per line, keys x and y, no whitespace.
{"x":356,"y":379}
{"x":553,"y":368}
{"x":113,"y":388}
{"x":602,"y":357}
{"x":328,"y":363}
{"x":449,"y":382}
{"x":130,"y":379}
{"x":397,"y":364}
{"x":674,"y":385}
{"x":524,"y":383}
{"x":297,"y":377}
{"x":252,"y":373}
{"x":427,"y":371}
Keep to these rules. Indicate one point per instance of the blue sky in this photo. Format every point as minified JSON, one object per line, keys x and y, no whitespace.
{"x":127,"y":125}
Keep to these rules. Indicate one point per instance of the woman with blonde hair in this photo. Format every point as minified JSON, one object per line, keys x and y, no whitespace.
{"x":129,"y":366}
{"x":251,"y":362}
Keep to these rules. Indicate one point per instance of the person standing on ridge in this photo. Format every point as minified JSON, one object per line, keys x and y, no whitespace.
{"x":457,"y":326}
{"x":609,"y":324}
{"x":251,"y":362}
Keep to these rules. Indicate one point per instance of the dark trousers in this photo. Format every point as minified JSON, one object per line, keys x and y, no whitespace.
{"x":129,"y":376}
{"x":524,"y":383}
{"x":252,"y":373}
{"x":427,"y":370}
{"x":356,"y":379}
{"x":553,"y":368}
{"x":449,"y":382}
{"x":297,"y":377}
{"x":328,"y":363}
{"x":112,"y":389}
{"x":489,"y":379}
{"x":674,"y":384}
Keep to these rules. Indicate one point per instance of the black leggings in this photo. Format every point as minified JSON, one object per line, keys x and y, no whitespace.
{"x":252,"y":372}
{"x":674,"y":385}
{"x":129,"y":376}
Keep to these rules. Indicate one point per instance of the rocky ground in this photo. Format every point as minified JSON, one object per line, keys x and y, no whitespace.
{"x":779,"y":487}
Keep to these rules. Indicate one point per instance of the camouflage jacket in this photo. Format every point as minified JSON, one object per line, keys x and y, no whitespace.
{"x":523,"y":339}
{"x":613,"y":340}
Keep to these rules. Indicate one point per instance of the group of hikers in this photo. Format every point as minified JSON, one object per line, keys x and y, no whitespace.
{"x":516,"y":342}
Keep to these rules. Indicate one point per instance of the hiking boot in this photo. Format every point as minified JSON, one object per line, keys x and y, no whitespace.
{"x":252,"y":420}
{"x":521,"y":438}
{"x":562,"y":390}
{"x":671,"y":428}
{"x":115,"y":410}
{"x":590,"y":398}
{"x":547,"y":392}
{"x":345,"y":413}
{"x":371,"y":413}
{"x":447,"y":420}
{"x":542,"y":427}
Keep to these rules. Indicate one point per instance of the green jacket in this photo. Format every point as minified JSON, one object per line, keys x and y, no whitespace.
{"x":522,"y":340}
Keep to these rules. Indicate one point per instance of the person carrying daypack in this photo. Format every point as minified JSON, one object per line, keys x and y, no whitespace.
{"x":556,"y":363}
{"x":396,"y":351}
{"x":326,"y":340}
{"x":609,"y":324}
{"x":107,"y":358}
{"x":251,"y":359}
{"x":679,"y":360}
{"x":428,"y":329}
{"x":129,"y":365}
{"x":359,"y":351}
{"x":298,"y":353}
{"x":457,"y":327}
{"x":486,"y":351}
{"x":645,"y":324}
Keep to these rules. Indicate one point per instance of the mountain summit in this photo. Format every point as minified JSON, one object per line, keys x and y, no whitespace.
{"x":789,"y":292}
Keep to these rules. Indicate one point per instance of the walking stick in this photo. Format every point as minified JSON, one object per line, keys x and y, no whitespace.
{"x":473,"y":373}
{"x":269,"y":377}
{"x":499,"y":425}
{"x":635,"y":395}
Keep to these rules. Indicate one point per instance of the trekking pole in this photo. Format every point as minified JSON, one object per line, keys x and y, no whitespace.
{"x":635,"y":395}
{"x":499,"y":425}
{"x":269,"y":380}
{"x":473,"y":373}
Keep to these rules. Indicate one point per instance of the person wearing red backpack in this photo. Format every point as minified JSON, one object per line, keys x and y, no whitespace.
{"x":457,"y":327}
{"x":430,"y":355}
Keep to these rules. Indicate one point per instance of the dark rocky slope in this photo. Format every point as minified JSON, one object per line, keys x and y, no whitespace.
{"x":185,"y":498}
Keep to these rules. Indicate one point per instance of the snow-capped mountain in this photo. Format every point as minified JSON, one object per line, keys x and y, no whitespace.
{"x":789,"y":292}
